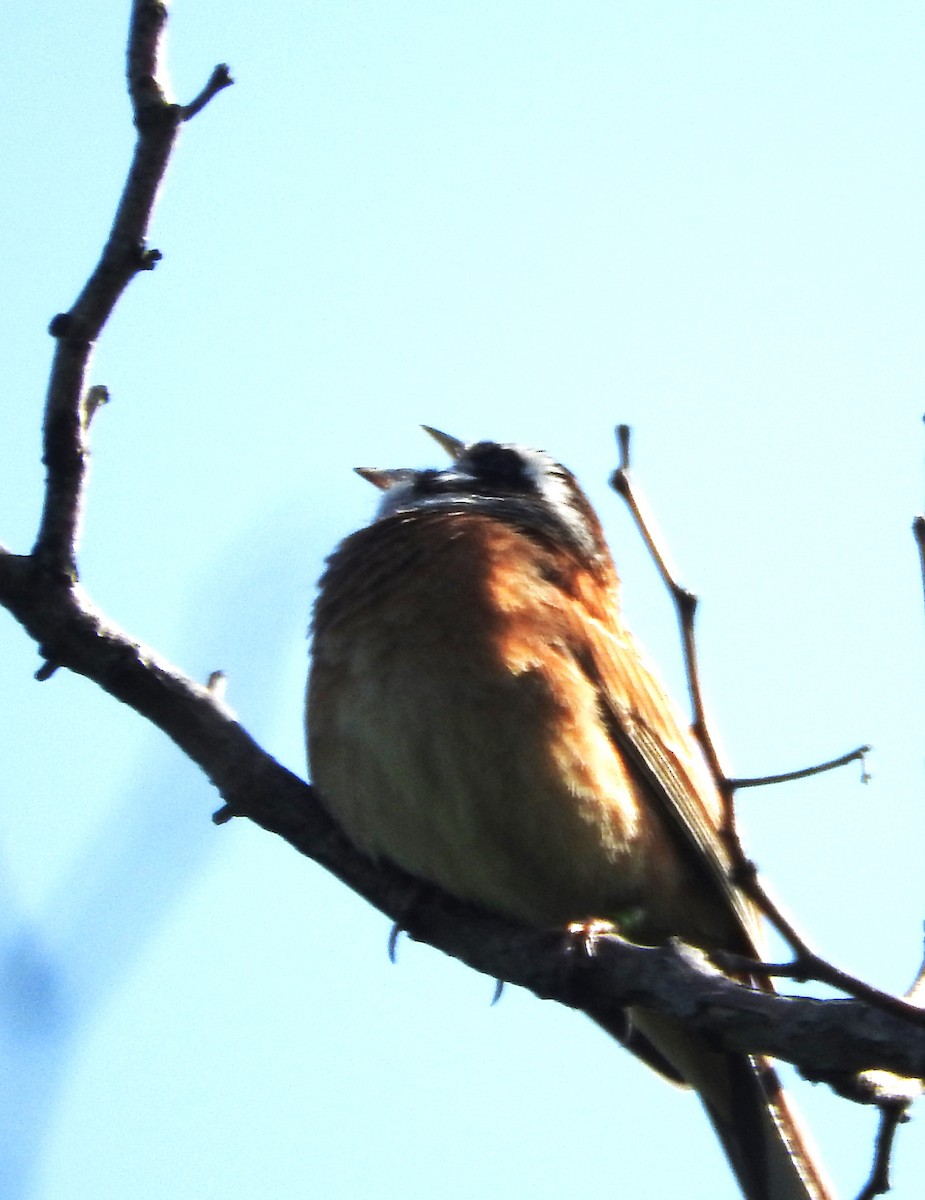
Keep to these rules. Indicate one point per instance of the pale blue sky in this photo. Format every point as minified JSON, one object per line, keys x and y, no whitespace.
{"x":523,"y":221}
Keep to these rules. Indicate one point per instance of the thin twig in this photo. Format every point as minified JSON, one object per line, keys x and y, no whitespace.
{"x":896,"y":1095}
{"x":220,"y":78}
{"x":805,"y":772}
{"x":807,"y":964}
{"x":918,"y":532}
{"x":891,"y":1117}
{"x":685,"y":603}
{"x":747,"y":877}
{"x":810,"y":966}
{"x":916,"y":992}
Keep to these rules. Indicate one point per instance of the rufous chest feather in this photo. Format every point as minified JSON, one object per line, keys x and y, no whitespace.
{"x":453,"y":729}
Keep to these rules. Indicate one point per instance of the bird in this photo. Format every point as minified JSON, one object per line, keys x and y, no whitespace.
{"x":479,"y":714}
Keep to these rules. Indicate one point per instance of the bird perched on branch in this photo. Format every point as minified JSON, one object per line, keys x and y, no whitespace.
{"x":479,"y":714}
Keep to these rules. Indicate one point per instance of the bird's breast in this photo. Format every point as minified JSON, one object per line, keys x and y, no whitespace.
{"x":452,"y":728}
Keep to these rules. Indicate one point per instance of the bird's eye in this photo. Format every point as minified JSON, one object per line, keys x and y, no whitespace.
{"x":497,"y":464}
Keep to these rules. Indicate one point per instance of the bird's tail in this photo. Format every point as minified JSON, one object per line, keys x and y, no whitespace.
{"x":766,"y":1144}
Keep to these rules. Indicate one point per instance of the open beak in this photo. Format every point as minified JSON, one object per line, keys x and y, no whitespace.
{"x":453,"y":446}
{"x":382,"y":478}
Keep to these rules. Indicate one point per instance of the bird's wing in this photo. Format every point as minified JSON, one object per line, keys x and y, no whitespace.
{"x":767,"y":1146}
{"x":644,"y":726}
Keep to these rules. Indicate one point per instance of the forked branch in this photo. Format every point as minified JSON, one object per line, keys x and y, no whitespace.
{"x":892,"y":1094}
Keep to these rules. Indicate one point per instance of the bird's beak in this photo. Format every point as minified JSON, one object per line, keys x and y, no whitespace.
{"x":382,"y":478}
{"x":453,"y":446}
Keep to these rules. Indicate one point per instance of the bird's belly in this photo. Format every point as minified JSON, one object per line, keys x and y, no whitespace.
{"x":490,"y":783}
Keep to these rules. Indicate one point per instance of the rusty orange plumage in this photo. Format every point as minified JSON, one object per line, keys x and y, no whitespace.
{"x":479,"y":714}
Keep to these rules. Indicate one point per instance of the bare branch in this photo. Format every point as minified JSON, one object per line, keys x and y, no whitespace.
{"x":220,"y":78}
{"x":856,"y":755}
{"x":831,"y":1040}
{"x":824,"y":1038}
{"x":685,"y":603}
{"x":891,"y":1117}
{"x":918,"y":532}
{"x":124,"y":255}
{"x":807,"y":963}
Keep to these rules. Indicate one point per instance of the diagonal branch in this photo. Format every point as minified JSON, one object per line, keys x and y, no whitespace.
{"x":826,"y":1039}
